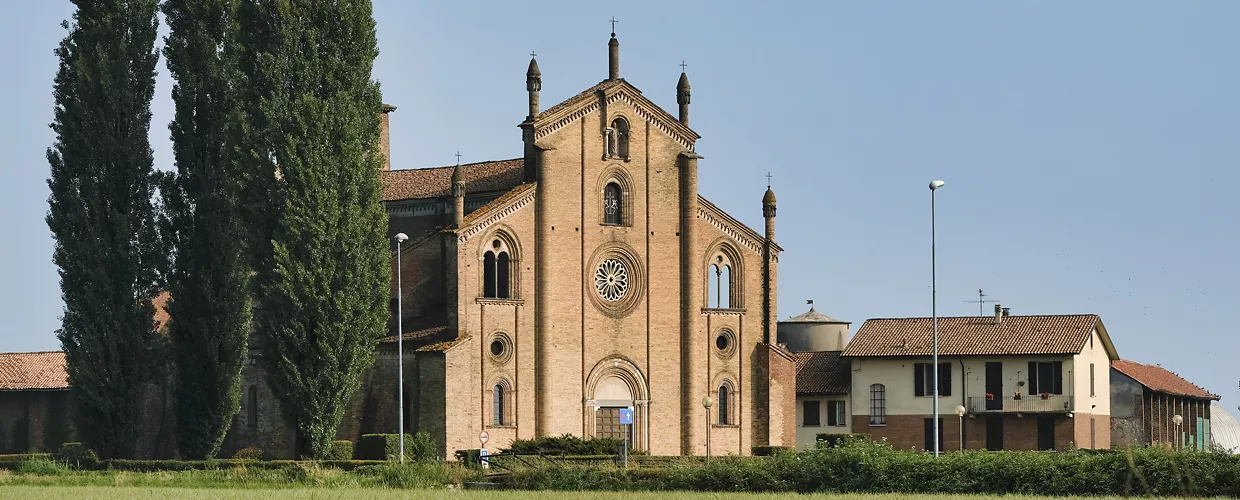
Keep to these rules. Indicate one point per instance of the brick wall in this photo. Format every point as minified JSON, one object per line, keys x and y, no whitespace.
{"x":34,"y":421}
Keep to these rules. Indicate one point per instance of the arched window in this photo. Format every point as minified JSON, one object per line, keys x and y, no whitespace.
{"x":488,"y":275}
{"x":712,"y":279}
{"x":878,"y":404}
{"x":725,"y":283}
{"x":252,"y":405}
{"x":722,"y":282}
{"x":501,"y":277}
{"x":501,"y":403}
{"x":613,"y":204}
{"x":618,"y":139}
{"x":724,"y":394}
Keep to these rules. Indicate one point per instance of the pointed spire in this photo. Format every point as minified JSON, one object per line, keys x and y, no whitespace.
{"x":533,"y":84}
{"x":613,"y":54}
{"x":682,"y":95}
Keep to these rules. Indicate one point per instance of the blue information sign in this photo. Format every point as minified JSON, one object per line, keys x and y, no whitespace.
{"x":626,"y":416}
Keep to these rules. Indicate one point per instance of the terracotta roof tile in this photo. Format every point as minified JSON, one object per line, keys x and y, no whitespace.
{"x":24,"y":371}
{"x":973,"y":336}
{"x":823,"y":372}
{"x":1160,"y":379}
{"x":487,"y":176}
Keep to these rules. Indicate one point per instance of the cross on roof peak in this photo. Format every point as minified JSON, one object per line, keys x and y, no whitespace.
{"x":768,"y":180}
{"x":532,"y":54}
{"x":613,"y":26}
{"x":458,"y":157}
{"x":682,"y":66}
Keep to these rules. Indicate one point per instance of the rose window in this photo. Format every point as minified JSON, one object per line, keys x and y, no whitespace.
{"x":611,"y":279}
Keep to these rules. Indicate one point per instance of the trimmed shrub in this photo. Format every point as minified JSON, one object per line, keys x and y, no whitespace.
{"x":568,"y":444}
{"x":78,"y":456}
{"x":341,"y":450}
{"x":833,"y":440}
{"x":770,"y":451}
{"x":418,"y":447}
{"x":249,"y":453}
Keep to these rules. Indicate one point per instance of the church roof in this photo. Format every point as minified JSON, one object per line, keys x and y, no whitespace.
{"x":812,"y":316}
{"x":1159,"y":379}
{"x":979,"y":336}
{"x":822,"y":373}
{"x":33,"y":371}
{"x":435,"y":182}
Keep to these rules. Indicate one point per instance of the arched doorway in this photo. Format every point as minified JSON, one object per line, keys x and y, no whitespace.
{"x":614,"y":384}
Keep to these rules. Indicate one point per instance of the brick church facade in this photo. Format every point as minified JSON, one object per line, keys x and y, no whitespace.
{"x":543,"y":294}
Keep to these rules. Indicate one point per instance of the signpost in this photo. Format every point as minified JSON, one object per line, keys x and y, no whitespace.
{"x":483,"y":437}
{"x":626,"y":419}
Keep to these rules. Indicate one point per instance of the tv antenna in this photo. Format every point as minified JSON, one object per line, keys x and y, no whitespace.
{"x":981,"y":301}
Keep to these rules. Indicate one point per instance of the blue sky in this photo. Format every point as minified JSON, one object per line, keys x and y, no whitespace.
{"x":1088,"y":147}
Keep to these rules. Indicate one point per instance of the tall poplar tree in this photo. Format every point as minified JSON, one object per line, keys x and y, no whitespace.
{"x":311,"y":122}
{"x":102,"y":216}
{"x":209,"y":281}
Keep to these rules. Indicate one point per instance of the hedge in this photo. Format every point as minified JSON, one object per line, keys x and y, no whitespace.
{"x":866,"y":467}
{"x":340,"y":450}
{"x":567,"y":444}
{"x":418,"y":447}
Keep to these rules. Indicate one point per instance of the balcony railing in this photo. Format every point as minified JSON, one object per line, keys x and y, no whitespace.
{"x":1054,"y":403}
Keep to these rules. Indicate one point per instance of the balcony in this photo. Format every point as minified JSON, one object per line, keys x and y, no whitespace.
{"x":1054,"y":403}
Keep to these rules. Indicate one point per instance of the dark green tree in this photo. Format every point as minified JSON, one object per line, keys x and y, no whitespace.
{"x":311,"y":126}
{"x":102,"y":216}
{"x":210,"y":276}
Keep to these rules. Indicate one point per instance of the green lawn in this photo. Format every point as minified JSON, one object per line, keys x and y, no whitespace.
{"x":108,"y":493}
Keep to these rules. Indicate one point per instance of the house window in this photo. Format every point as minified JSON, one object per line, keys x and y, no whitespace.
{"x":923,"y":379}
{"x":253,"y":407}
{"x":835,"y":413}
{"x":929,"y":434}
{"x":878,"y":404}
{"x":618,"y":139}
{"x":1091,"y":383}
{"x":809,"y":414}
{"x":613,"y":204}
{"x":1046,"y":376}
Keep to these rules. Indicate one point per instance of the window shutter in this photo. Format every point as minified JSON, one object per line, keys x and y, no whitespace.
{"x":1033,"y":377}
{"x":1058,"y":377}
{"x":945,"y":379}
{"x":919,"y":379}
{"x":831,"y":413}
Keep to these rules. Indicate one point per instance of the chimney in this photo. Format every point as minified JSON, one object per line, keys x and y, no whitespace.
{"x":999,"y":314}
{"x":385,"y":142}
{"x":1007,"y":311}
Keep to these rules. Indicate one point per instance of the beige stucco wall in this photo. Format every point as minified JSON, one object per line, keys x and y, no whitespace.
{"x":1100,"y":402}
{"x":807,"y":435}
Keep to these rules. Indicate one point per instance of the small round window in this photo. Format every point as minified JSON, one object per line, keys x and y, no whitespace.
{"x":500,"y":347}
{"x":725,"y":343}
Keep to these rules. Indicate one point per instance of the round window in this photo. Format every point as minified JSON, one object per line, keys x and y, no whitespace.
{"x":611,"y":279}
{"x":500,"y":347}
{"x":725,"y":343}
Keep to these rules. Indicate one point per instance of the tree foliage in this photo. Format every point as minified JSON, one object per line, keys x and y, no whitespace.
{"x":102,"y":216}
{"x":310,"y":108}
{"x":210,"y":277}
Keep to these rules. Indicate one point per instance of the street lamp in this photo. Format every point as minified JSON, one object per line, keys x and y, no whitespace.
{"x":1178,"y":440}
{"x":706,"y":403}
{"x":960,"y":411}
{"x":934,"y":314}
{"x":400,"y":350}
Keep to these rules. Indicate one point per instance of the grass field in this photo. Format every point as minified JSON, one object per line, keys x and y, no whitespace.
{"x":116,"y":493}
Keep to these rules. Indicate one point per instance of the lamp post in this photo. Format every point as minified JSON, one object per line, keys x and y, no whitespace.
{"x":706,"y":403}
{"x":400,"y":350}
{"x":934,"y":314}
{"x":1178,"y":440}
{"x":960,"y":411}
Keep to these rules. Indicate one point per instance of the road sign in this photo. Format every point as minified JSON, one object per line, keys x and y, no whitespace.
{"x":626,"y":416}
{"x":482,"y":457}
{"x":483,"y":436}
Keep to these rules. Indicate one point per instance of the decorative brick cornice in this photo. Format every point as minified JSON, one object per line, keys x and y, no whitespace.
{"x":543,"y":131}
{"x":733,"y":229}
{"x":480,"y":224}
{"x":659,"y":122}
{"x":592,"y":100}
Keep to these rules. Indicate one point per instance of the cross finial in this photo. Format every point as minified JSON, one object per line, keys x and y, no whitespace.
{"x":613,"y":26}
{"x":682,"y":66}
{"x":768,"y":180}
{"x":458,"y":157}
{"x":532,"y":54}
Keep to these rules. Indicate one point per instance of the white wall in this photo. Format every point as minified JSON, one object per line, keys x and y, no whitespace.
{"x":1100,"y":402}
{"x":807,"y":436}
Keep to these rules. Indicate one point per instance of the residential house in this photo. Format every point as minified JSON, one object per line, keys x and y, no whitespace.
{"x":823,"y":405}
{"x":1145,"y":401}
{"x":1023,"y":382}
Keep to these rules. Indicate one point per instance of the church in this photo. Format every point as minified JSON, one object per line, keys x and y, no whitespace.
{"x":541,"y":295}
